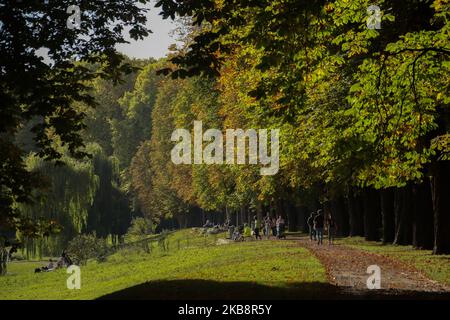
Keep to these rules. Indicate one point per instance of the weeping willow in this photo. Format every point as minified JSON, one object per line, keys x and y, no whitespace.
{"x":110,"y":214}
{"x":82,"y":197}
{"x":67,"y":200}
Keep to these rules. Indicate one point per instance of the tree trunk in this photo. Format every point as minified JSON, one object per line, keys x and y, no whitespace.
{"x":403,"y":216}
{"x":243,"y":215}
{"x":341,"y":216}
{"x":259,"y":212}
{"x":440,"y":190}
{"x":302,"y":216}
{"x":180,"y":218}
{"x":355,"y":212}
{"x":291,"y":215}
{"x":372,"y":216}
{"x":3,"y":260}
{"x":422,"y":224}
{"x":227,"y":214}
{"x":279,"y":210}
{"x":387,"y":213}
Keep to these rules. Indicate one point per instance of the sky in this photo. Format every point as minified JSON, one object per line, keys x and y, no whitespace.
{"x":157,"y":43}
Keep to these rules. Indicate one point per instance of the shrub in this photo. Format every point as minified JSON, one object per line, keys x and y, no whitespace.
{"x":140,"y":228}
{"x":85,"y":247}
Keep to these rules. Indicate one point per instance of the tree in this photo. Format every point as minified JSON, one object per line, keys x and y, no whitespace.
{"x":360,"y":108}
{"x":70,"y":193}
{"x":99,"y":120}
{"x":134,"y":125}
{"x":32,"y":89}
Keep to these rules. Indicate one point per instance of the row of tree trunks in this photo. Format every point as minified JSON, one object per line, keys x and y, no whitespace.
{"x":417,"y":214}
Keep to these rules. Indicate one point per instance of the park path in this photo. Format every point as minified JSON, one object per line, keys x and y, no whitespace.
{"x":346,"y":268}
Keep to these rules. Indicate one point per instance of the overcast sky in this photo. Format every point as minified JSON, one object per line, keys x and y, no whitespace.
{"x":156,"y":44}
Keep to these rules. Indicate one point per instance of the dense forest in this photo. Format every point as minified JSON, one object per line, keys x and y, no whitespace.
{"x":362,"y":114}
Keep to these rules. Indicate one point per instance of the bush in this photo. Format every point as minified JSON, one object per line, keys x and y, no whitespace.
{"x":140,"y":228}
{"x":85,"y":247}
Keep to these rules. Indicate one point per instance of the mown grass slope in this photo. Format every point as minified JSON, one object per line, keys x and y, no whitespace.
{"x":193,"y":267}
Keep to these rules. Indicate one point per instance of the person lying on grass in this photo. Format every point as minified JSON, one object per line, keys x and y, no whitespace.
{"x":50,"y":267}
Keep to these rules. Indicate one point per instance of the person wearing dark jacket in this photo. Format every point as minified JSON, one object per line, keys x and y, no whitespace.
{"x":318,"y":226}
{"x":331,"y":226}
{"x":312,"y":232}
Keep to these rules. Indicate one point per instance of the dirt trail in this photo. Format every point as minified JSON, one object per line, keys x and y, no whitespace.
{"x":346,"y":267}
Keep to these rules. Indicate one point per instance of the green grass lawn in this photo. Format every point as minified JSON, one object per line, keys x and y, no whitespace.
{"x":436,"y":267}
{"x":193,"y":267}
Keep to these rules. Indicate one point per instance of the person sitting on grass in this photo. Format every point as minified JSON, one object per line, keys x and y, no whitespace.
{"x":231,"y":230}
{"x":208,"y":224}
{"x":237,"y":235}
{"x":213,"y":230}
{"x":51,"y":265}
{"x":63,"y":261}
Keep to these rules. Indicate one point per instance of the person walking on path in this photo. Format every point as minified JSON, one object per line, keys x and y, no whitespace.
{"x":257,"y":227}
{"x":331,"y":226}
{"x":318,"y":226}
{"x":312,"y":232}
{"x":280,"y":227}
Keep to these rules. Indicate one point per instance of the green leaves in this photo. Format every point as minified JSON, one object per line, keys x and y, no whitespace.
{"x":362,"y":103}
{"x":47,"y":93}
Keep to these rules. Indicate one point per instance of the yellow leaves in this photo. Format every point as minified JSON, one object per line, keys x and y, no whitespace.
{"x":439,"y":5}
{"x":329,"y":8}
{"x":219,"y":4}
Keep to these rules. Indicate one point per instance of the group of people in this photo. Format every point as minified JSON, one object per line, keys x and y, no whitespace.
{"x":63,"y":261}
{"x":317,"y":223}
{"x":274,"y":226}
{"x":269,"y":227}
{"x":211,"y":228}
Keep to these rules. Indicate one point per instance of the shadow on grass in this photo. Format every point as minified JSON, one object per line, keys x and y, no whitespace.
{"x":215,"y":290}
